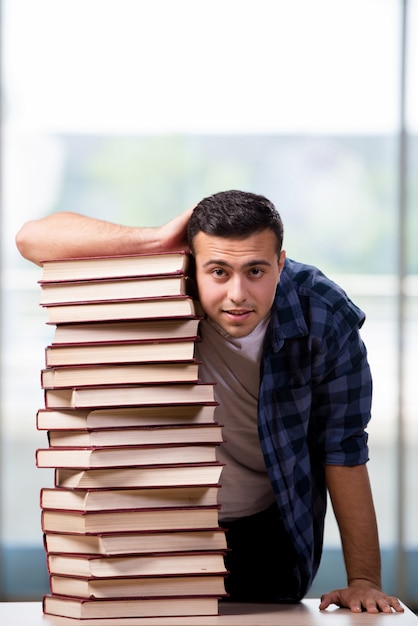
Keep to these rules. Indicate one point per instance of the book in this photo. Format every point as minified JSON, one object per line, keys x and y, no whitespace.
{"x":88,"y":522}
{"x":120,"y":456}
{"x":126,"y":352}
{"x":166,"y":307}
{"x":107,"y":332}
{"x":119,"y":266}
{"x":89,"y":397}
{"x":161,"y":476}
{"x":151,"y":435}
{"x":138,"y":586}
{"x":83,"y":608}
{"x":118,"y":289}
{"x":132,"y":417}
{"x":137,"y":542}
{"x":118,"y":374}
{"x":165,"y":564}
{"x":133,"y":514}
{"x":118,"y":499}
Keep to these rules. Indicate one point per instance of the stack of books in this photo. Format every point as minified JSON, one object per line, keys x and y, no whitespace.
{"x":131,"y":524}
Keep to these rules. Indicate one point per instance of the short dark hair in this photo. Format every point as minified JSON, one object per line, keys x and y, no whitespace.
{"x":234,"y":214}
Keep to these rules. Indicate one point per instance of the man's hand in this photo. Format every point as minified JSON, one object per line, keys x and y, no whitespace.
{"x":173,"y":235}
{"x":361,"y":595}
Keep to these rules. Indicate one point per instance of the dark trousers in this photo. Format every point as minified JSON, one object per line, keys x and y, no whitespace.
{"x":260,"y":559}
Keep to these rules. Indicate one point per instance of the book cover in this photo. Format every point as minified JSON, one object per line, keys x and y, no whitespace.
{"x":125,"y":520}
{"x":89,"y":397}
{"x":146,"y":435}
{"x":161,"y":476}
{"x":136,"y":542}
{"x":123,"y":352}
{"x":125,"y":417}
{"x":117,"y":499}
{"x":118,"y":374}
{"x":118,"y":289}
{"x":121,"y":456}
{"x":138,"y":586}
{"x":117,"y":266}
{"x":167,"y":307}
{"x":82,"y":608}
{"x":143,"y":330}
{"x":86,"y":566}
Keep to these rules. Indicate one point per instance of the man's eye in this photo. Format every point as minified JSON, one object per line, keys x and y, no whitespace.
{"x":256,"y":271}
{"x":218,"y":272}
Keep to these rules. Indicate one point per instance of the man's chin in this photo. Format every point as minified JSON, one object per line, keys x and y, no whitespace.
{"x":240,"y":334}
{"x":237,"y":330}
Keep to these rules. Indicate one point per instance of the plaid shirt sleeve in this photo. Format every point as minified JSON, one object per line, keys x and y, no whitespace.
{"x":314,"y":405}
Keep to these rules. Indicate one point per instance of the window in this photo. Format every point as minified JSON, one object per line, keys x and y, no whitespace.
{"x":131,"y":110}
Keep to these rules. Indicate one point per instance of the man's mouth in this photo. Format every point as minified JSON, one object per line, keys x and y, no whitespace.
{"x":238,"y":313}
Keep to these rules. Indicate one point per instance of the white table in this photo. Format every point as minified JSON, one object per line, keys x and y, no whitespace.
{"x":304,"y":614}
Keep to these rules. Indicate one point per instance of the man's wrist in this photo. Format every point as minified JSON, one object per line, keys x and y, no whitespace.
{"x":373,"y":582}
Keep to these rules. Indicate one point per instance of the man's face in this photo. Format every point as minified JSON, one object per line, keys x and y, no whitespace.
{"x":237,"y":278}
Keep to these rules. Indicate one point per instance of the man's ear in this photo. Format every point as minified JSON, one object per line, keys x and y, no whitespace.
{"x":282,"y":259}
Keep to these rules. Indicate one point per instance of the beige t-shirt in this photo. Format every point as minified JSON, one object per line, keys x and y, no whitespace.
{"x":234,"y":364}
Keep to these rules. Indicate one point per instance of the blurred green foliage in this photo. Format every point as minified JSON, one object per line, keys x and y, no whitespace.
{"x":337,"y":195}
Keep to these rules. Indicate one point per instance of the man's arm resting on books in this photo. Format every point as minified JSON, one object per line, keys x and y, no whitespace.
{"x":69,"y":235}
{"x":352,"y":501}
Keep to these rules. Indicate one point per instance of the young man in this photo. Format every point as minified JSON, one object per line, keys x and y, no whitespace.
{"x":282,"y":342}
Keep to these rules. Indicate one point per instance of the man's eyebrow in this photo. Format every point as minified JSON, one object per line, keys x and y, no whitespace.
{"x":222,"y":263}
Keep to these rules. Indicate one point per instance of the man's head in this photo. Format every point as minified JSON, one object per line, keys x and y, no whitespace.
{"x":236,"y":239}
{"x":235,"y":215}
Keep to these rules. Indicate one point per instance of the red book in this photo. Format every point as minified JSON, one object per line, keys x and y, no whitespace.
{"x":165,"y":564}
{"x":128,"y":521}
{"x":142,"y":330}
{"x":118,"y":266}
{"x":118,"y":289}
{"x":125,"y":456}
{"x":113,"y":544}
{"x":139,"y":586}
{"x":121,"y":352}
{"x":150,"y":308}
{"x":83,"y":608}
{"x":125,"y":417}
{"x":119,"y":374}
{"x":151,"y":435}
{"x":145,"y":395}
{"x":119,"y":499}
{"x":140,"y":477}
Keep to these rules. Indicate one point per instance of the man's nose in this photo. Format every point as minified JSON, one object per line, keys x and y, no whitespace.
{"x":236,"y":289}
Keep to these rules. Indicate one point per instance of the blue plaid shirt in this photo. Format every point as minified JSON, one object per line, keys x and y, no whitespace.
{"x":314,"y":403}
